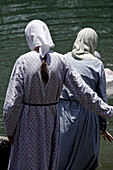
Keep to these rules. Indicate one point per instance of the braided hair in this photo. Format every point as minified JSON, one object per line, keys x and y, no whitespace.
{"x":44,"y":70}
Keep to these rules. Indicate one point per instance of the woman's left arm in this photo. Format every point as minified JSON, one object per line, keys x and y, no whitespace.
{"x":13,"y":101}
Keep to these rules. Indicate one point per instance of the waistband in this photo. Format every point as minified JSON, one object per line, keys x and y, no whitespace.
{"x":34,"y":104}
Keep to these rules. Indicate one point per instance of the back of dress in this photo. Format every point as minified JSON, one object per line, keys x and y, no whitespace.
{"x":33,"y":116}
{"x":35,"y":90}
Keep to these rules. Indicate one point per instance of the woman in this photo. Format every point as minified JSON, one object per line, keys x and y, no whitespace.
{"x":80,"y":128}
{"x":31,"y":105}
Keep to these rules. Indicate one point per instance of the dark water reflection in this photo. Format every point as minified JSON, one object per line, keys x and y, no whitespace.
{"x":64,"y":19}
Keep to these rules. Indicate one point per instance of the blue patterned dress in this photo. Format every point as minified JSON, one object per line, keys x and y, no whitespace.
{"x":79,"y":127}
{"x":31,"y":109}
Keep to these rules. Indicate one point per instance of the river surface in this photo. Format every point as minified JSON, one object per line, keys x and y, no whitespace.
{"x":65,"y":18}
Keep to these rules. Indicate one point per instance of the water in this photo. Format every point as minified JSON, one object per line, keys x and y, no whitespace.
{"x":64,"y":19}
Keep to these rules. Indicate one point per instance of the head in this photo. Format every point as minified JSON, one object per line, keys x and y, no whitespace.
{"x":86,"y":41}
{"x":37,"y":34}
{"x":39,"y":39}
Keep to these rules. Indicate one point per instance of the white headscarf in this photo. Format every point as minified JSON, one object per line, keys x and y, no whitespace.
{"x":37,"y":34}
{"x":85,"y":44}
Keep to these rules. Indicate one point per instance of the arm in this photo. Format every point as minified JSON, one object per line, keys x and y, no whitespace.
{"x":84,"y":94}
{"x":13,"y":101}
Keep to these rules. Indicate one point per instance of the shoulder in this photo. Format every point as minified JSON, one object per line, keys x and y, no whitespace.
{"x":68,"y":54}
{"x":69,"y":57}
{"x":53,"y":54}
{"x":58,"y":56}
{"x":99,"y":63}
{"x":26,"y":56}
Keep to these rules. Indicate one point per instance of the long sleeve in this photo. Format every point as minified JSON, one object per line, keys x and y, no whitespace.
{"x":84,"y":94}
{"x":13,"y":101}
{"x":101,"y":91}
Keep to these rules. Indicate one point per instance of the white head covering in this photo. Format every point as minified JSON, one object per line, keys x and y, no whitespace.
{"x":37,"y":34}
{"x":85,"y":44}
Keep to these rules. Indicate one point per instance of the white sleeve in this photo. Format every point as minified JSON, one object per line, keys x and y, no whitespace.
{"x":13,"y":101}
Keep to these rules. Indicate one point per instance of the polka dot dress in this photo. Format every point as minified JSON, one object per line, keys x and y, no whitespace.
{"x":36,"y":128}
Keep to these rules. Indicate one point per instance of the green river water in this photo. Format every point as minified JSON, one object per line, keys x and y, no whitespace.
{"x":65,"y":18}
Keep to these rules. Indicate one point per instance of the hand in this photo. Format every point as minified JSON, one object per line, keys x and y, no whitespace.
{"x":106,"y":135}
{"x":11,"y":139}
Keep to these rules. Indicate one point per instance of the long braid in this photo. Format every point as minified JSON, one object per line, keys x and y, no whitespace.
{"x":44,"y":70}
